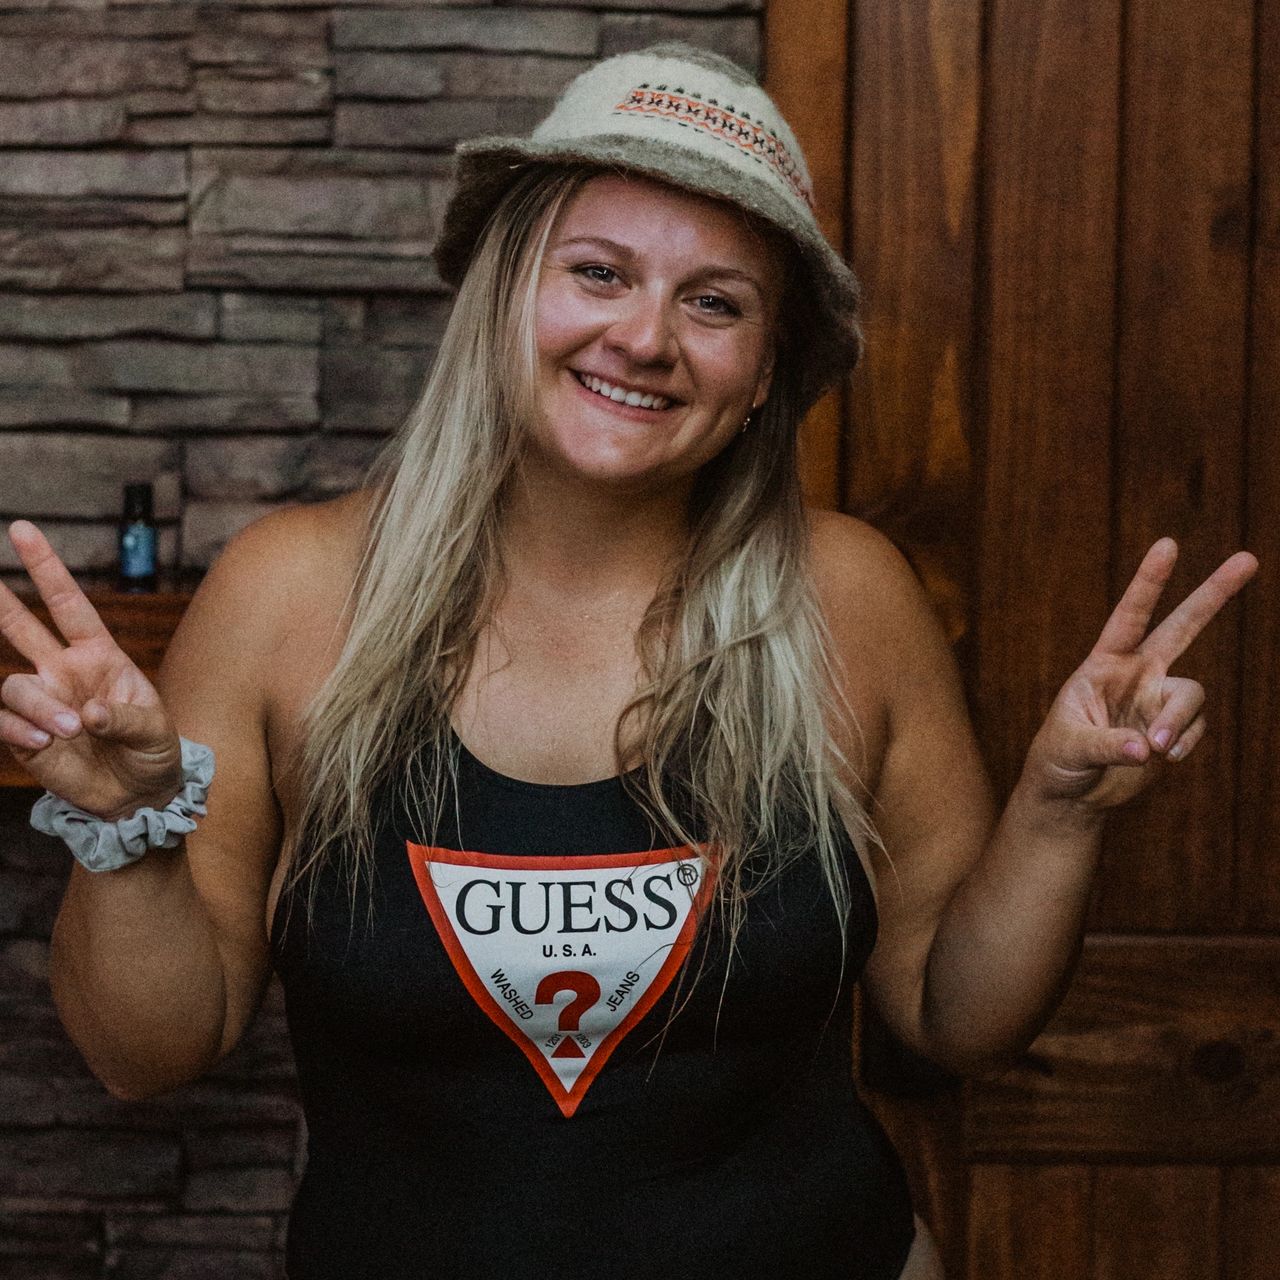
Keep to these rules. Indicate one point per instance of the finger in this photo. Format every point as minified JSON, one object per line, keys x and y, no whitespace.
{"x":1132,"y":615}
{"x":29,"y":697}
{"x":68,"y":606}
{"x":1190,"y":736}
{"x":137,"y":727}
{"x":1174,"y":635}
{"x":1098,"y":748}
{"x":21,"y":735}
{"x":1183,"y":700}
{"x":22,"y":629}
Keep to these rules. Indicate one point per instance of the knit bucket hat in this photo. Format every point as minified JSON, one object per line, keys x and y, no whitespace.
{"x":696,"y":120}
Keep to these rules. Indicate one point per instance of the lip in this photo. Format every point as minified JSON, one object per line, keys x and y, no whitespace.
{"x":633,"y":412}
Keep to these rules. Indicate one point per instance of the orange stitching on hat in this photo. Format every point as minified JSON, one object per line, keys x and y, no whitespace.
{"x":725,"y":125}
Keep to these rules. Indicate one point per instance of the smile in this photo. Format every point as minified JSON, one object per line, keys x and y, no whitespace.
{"x":621,"y":395}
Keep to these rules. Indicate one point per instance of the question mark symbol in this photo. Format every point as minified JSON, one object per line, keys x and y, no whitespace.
{"x":586,"y":991}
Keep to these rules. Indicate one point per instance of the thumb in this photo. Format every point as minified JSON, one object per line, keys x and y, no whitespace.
{"x":123,"y":722}
{"x":1104,"y":747}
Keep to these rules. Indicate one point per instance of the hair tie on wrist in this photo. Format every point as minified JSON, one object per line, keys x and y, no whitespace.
{"x":100,"y":845}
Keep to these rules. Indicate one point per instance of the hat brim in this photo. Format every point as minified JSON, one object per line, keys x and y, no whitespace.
{"x":486,"y":168}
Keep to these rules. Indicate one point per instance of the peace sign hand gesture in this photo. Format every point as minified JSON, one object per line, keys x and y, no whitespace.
{"x":86,"y":724}
{"x":1087,"y":751}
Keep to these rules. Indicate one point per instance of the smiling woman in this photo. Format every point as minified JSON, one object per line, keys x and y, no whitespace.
{"x":575,"y":699}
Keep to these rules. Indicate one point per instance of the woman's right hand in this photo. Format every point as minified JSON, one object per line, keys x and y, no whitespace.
{"x":86,"y":724}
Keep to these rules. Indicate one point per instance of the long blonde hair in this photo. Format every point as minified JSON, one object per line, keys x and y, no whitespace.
{"x":733,"y":719}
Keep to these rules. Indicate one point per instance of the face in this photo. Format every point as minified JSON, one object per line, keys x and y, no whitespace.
{"x":655,"y":319}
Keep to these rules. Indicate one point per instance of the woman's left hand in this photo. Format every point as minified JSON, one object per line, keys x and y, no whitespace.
{"x":1087,"y":751}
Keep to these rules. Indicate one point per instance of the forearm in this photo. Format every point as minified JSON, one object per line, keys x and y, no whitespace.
{"x":1008,"y":941}
{"x":136,"y":974}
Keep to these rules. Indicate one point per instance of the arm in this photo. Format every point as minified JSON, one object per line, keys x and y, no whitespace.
{"x":158,"y":968}
{"x":981,"y":925}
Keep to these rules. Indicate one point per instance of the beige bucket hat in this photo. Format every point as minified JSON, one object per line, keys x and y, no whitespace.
{"x":689,"y":117}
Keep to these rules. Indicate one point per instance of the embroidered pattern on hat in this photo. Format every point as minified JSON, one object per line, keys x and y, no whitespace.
{"x":737,"y":130}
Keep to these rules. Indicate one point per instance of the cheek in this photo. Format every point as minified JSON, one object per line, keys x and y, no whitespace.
{"x":560,"y":320}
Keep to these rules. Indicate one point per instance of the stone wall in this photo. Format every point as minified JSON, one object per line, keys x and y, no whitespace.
{"x":215,"y":225}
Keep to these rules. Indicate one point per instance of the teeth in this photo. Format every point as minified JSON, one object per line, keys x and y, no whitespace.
{"x":620,"y":395}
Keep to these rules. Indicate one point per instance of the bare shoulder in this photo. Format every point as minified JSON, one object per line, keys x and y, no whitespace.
{"x":874,"y":604}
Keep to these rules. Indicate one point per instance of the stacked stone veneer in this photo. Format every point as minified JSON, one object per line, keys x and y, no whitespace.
{"x":215,"y":274}
{"x":215,"y":234}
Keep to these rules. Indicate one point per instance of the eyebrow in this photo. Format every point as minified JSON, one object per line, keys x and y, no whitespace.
{"x":715,"y":271}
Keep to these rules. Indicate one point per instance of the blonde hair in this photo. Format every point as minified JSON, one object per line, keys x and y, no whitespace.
{"x":738,"y":690}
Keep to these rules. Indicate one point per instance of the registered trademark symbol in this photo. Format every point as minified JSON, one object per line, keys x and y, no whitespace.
{"x":686,"y":874}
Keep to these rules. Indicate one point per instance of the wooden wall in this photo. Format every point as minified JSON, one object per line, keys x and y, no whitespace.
{"x":1066,"y":217}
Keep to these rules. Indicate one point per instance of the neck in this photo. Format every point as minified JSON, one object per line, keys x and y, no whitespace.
{"x":585,"y":540}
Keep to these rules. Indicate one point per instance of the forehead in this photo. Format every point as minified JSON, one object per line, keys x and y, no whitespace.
{"x":658,"y":220}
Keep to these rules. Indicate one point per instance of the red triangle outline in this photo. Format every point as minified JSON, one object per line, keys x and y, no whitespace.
{"x":566,"y":1100}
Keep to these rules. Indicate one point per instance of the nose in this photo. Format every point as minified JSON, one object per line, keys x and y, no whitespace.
{"x":644,"y":332}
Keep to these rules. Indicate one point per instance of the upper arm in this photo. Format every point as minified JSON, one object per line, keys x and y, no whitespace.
{"x":214,"y":684}
{"x":933,"y":803}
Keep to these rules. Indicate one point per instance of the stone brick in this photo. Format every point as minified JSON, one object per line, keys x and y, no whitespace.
{"x":93,"y":18}
{"x":184,"y":1264}
{"x":313,"y":265}
{"x":24,"y":968}
{"x":67,"y":1237}
{"x":338,"y":464}
{"x":90,"y":211}
{"x":31,"y":67}
{"x":681,"y":6}
{"x":456,"y":75}
{"x":173,"y":315}
{"x":407,"y":322}
{"x":28,"y":903}
{"x":135,"y":260}
{"x":270,"y":317}
{"x":344,"y":319}
{"x":219,"y":130}
{"x":89,"y":1164}
{"x":263,"y":467}
{"x":262,"y":91}
{"x":207,"y":526}
{"x":245,"y":369}
{"x":90,"y":471}
{"x":736,"y":38}
{"x":241,"y":1231}
{"x":94,"y":173}
{"x":563,"y":31}
{"x":64,"y":122}
{"x":370,"y":389}
{"x":387,"y":75}
{"x":255,"y":1190}
{"x":222,"y":1148}
{"x":272,"y":50}
{"x":439,"y":123}
{"x":160,"y":102}
{"x":263,"y":1056}
{"x":93,"y":548}
{"x":39,"y":407}
{"x":224,"y":413}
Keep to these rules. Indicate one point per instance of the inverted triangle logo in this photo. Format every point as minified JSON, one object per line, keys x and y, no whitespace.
{"x":565,"y":955}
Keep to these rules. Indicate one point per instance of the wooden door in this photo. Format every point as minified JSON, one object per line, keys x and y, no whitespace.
{"x":1066,"y":216}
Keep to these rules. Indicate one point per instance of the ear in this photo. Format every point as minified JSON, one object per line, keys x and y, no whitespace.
{"x":764,"y":381}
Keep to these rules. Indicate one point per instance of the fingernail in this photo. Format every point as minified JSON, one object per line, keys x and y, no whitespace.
{"x":67,"y":722}
{"x":39,"y":738}
{"x":1178,"y":752}
{"x":1133,"y":749}
{"x":1162,"y":738}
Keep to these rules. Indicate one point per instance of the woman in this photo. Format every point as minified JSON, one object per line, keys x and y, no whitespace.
{"x":573,"y":699}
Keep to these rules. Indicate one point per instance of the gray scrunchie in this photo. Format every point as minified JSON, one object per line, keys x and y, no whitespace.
{"x":100,"y":845}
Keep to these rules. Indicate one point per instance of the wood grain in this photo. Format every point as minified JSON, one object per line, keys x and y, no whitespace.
{"x":1030,"y":1223}
{"x":912,"y":214}
{"x":1178,"y":1210}
{"x":1165,"y":1049}
{"x":1257,"y":794}
{"x":1251,"y":1202}
{"x":807,"y":75}
{"x":1180,"y":420}
{"x":1050,"y":155}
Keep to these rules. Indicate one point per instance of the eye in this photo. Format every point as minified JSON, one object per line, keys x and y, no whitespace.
{"x":597,"y":272}
{"x":713,"y":304}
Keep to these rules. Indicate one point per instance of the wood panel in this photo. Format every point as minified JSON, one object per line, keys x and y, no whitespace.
{"x":806,"y":45}
{"x":1257,"y":795}
{"x":912,"y":214}
{"x":1251,"y":1198}
{"x":1030,"y":1223}
{"x":1177,"y":1210}
{"x":1179,"y":445}
{"x":1050,"y":157}
{"x":1164,"y":1049}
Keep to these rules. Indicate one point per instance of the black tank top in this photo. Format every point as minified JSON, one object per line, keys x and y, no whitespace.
{"x":506,"y":1075}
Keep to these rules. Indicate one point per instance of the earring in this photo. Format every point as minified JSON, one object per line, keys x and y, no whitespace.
{"x":746,"y":422}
